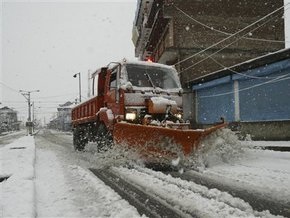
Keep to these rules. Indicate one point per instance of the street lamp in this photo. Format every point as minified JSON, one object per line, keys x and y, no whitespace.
{"x":79,"y":74}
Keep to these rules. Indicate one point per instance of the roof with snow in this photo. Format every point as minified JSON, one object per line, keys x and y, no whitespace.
{"x":5,"y":108}
{"x":68,"y":104}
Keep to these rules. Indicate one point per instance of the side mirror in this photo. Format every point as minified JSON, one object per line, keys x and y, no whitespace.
{"x":103,"y":72}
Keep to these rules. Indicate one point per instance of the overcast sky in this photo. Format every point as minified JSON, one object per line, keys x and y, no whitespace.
{"x":45,"y":44}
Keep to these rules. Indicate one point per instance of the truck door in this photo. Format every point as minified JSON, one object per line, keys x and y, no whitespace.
{"x":113,"y":96}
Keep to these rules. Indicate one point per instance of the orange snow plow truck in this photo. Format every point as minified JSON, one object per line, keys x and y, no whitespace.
{"x":136,"y":104}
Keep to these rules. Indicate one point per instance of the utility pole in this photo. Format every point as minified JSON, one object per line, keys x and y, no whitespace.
{"x":89,"y":83}
{"x":33,"y":111}
{"x":26,"y":95}
{"x":80,"y":94}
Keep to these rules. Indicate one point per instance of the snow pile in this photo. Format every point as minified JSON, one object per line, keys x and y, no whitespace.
{"x":112,"y":155}
{"x":259,"y":171}
{"x":171,"y":154}
{"x":163,"y":154}
{"x":220,"y":147}
{"x":17,"y":192}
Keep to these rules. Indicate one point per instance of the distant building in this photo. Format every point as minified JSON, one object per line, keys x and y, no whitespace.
{"x":63,"y":120}
{"x":170,"y":31}
{"x":8,"y":120}
{"x":53,"y":124}
{"x":64,"y":116}
{"x":254,"y":97}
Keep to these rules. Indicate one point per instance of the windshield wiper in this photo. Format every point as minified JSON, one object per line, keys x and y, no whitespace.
{"x":150,"y":80}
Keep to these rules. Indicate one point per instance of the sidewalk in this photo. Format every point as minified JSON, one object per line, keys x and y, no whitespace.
{"x":17,"y":194}
{"x":49,"y":182}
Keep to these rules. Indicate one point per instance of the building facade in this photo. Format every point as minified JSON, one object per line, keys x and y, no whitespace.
{"x":253,"y":96}
{"x":200,"y":37}
{"x":8,"y":120}
{"x":62,"y":121}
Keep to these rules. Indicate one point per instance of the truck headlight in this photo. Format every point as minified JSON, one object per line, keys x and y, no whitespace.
{"x":179,"y":116}
{"x":130,"y":116}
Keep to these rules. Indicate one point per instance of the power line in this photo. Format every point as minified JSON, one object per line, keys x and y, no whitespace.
{"x":39,"y":102}
{"x":278,"y":79}
{"x":12,"y":89}
{"x":234,"y":34}
{"x":55,"y":96}
{"x":229,"y":68}
{"x":237,"y":39}
{"x":225,"y":33}
{"x":241,"y":74}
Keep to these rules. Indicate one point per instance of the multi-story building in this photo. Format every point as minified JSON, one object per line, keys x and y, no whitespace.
{"x":64,"y":116}
{"x":200,"y":37}
{"x":8,"y":119}
{"x":63,"y":119}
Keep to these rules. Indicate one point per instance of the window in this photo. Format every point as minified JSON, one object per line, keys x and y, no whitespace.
{"x":164,"y":78}
{"x":113,"y":80}
{"x":95,"y":85}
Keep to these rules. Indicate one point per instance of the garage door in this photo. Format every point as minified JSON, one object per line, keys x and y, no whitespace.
{"x":262,"y":100}
{"x":214,"y":103}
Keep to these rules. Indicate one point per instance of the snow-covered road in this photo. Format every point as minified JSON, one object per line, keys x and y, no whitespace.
{"x":62,"y":186}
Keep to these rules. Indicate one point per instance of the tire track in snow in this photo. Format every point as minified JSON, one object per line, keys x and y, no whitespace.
{"x":188,"y":196}
{"x":259,"y":201}
{"x":144,"y":203}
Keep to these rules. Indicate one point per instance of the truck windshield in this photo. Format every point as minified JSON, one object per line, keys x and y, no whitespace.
{"x":140,"y":76}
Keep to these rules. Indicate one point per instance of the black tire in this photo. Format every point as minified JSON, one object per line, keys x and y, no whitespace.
{"x":79,"y":140}
{"x":104,"y":138}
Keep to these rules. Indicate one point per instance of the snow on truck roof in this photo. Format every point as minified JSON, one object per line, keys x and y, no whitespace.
{"x":136,"y":62}
{"x":133,"y":62}
{"x":146,"y":63}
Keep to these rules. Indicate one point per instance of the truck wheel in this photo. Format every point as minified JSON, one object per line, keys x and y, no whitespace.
{"x":79,"y":140}
{"x":104,"y":138}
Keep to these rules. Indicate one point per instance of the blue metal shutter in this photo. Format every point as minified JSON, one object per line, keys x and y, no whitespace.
{"x":211,"y":106}
{"x":262,"y":100}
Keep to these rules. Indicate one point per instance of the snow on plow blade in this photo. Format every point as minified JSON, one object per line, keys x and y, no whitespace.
{"x":147,"y":139}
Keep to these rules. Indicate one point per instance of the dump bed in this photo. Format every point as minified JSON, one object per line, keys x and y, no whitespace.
{"x":86,"y":111}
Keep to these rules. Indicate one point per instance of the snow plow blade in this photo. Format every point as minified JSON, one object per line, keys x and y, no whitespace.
{"x":148,"y":139}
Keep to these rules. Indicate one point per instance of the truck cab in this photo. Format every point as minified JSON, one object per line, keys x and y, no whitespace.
{"x":138,"y":90}
{"x":135,"y":92}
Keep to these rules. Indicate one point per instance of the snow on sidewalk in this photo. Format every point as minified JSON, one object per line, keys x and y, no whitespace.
{"x":65,"y":188}
{"x":42,"y":182}
{"x":54,"y":197}
{"x":17,"y":194}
